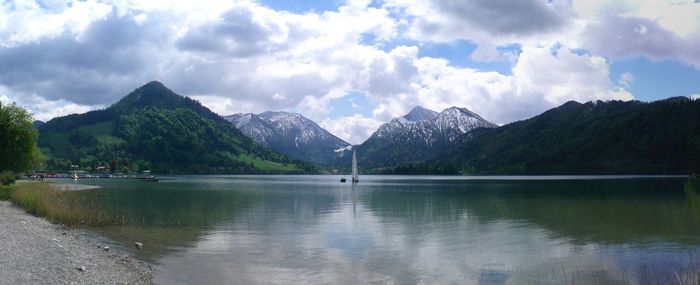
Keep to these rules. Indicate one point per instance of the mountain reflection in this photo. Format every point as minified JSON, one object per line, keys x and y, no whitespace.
{"x":391,"y":229}
{"x":599,"y":211}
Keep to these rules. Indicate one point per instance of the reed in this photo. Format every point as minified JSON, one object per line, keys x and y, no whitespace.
{"x":71,"y":208}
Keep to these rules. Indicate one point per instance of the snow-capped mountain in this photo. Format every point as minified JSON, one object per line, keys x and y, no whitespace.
{"x":291,"y":134}
{"x":420,"y":114}
{"x":417,"y":136}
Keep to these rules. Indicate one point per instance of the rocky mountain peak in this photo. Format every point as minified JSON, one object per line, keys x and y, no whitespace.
{"x":419,"y":113}
{"x":290,"y":133}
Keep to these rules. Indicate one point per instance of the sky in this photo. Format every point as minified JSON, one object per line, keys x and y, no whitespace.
{"x":349,"y":65}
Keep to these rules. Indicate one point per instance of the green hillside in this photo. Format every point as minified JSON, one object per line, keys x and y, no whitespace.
{"x":154,"y":128}
{"x":661,"y":137}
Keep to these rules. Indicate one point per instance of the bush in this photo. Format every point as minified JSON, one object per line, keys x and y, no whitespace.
{"x":7,"y":177}
{"x":6,"y":192}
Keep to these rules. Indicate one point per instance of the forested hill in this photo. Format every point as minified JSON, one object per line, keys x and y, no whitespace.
{"x":661,"y":137}
{"x":154,"y":128}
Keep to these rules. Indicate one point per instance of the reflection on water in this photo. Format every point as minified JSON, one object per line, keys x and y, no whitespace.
{"x":406,"y":230}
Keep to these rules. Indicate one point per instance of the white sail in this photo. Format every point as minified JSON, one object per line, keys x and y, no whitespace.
{"x":355,"y":177}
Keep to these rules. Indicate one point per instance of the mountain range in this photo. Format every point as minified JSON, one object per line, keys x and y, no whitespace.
{"x":154,"y":128}
{"x":291,"y":134}
{"x":615,"y":137}
{"x":417,"y":136}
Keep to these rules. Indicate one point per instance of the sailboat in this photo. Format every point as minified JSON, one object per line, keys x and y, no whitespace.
{"x":355,"y":177}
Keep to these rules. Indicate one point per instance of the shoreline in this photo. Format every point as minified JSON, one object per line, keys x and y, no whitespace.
{"x":36,"y":251}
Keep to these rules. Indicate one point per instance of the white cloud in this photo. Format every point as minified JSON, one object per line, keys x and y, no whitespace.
{"x":26,"y":21}
{"x":659,"y":29}
{"x":542,"y":78}
{"x":626,"y":80}
{"x":43,"y":109}
{"x":258,"y":56}
{"x":488,"y":52}
{"x":239,"y":56}
{"x":559,"y":75}
{"x":626,"y":37}
{"x":352,"y":129}
{"x":677,"y":16}
{"x":483,"y":21}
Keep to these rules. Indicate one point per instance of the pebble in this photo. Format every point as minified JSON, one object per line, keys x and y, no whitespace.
{"x":30,"y":248}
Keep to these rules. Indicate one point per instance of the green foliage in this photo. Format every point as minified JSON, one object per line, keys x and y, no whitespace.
{"x":180,"y":140}
{"x":8,"y":178}
{"x":58,"y":165}
{"x":154,"y":128}
{"x":18,"y":148}
{"x":6,"y":192}
{"x":80,"y":139}
{"x":661,"y":137}
{"x":395,"y":150}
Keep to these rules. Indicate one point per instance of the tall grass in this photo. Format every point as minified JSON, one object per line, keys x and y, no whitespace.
{"x":70,"y":208}
{"x":6,"y":192}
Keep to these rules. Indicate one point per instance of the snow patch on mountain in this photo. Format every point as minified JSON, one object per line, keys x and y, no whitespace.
{"x":289,"y":133}
{"x":429,"y":127}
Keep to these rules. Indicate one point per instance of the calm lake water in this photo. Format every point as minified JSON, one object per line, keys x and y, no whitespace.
{"x":407,"y":229}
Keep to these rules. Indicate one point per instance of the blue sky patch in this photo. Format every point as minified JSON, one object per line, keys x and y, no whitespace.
{"x":351,"y":104}
{"x":657,"y":80}
{"x":297,"y":6}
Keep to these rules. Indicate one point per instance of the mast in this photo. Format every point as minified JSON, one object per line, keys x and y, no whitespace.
{"x":355,"y":177}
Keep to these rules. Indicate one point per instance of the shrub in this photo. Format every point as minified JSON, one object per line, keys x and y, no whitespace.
{"x":6,"y":192}
{"x":7,"y":178}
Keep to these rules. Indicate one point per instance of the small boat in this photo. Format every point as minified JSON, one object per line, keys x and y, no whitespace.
{"x":147,"y":177}
{"x":342,"y":179}
{"x":355,"y":176}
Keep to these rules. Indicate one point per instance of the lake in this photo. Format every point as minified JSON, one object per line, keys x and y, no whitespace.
{"x":407,"y":229}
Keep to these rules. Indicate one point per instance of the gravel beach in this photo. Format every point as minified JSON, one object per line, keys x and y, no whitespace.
{"x":35,"y":251}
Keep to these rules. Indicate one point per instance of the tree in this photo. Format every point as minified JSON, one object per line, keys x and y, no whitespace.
{"x":18,"y":147}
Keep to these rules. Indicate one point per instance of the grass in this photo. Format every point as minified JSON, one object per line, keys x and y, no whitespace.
{"x":6,"y":192}
{"x":267,"y":166}
{"x":102,"y":132}
{"x":61,"y":146}
{"x":70,"y":208}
